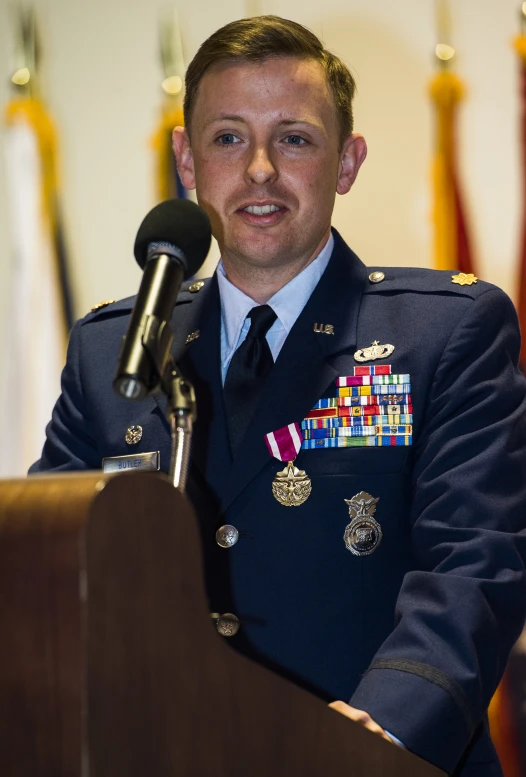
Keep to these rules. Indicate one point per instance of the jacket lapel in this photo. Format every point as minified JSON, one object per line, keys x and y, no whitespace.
{"x":202,"y":365}
{"x":307,"y":363}
{"x":185,"y":321}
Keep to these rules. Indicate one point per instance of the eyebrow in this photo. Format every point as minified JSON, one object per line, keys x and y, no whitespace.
{"x":223,"y":117}
{"x":240,"y":119}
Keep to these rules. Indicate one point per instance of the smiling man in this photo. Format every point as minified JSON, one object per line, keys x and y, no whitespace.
{"x":267,"y":157}
{"x":359,"y":459}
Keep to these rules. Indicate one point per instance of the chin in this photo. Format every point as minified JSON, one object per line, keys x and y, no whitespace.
{"x":264,"y":251}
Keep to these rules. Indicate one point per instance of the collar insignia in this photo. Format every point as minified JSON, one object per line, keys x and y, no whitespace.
{"x":464,"y":279}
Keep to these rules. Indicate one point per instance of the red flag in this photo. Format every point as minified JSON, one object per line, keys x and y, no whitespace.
{"x":452,"y":245}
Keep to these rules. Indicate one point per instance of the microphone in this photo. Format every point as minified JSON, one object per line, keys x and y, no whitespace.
{"x":171,"y":245}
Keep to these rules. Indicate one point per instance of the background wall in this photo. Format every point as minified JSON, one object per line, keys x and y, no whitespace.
{"x":101,"y":77}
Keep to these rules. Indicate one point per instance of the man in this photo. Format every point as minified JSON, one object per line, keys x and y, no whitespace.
{"x":397,"y":582}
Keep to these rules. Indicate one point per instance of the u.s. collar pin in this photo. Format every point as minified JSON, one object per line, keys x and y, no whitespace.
{"x":324,"y":329}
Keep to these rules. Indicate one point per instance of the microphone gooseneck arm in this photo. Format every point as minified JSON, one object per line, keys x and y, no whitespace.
{"x":181,"y":415}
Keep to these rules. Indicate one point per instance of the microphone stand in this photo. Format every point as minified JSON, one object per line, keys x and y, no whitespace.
{"x":181,"y":414}
{"x":181,"y":411}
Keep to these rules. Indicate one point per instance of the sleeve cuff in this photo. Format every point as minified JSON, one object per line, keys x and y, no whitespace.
{"x":424,"y":716}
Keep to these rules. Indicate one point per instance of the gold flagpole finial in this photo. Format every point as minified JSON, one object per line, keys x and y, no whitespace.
{"x":444,"y":51}
{"x":171,"y":48}
{"x":519,"y":41}
{"x":26,"y":52}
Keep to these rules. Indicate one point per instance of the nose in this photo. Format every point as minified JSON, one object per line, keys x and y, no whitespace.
{"x":260,"y":168}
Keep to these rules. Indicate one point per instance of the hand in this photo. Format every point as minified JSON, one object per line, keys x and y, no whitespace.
{"x":360,"y":716}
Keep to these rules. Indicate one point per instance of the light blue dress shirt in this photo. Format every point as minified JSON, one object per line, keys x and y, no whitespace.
{"x":287,"y":303}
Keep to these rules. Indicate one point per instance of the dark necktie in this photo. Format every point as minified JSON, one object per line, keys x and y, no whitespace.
{"x":247,"y":373}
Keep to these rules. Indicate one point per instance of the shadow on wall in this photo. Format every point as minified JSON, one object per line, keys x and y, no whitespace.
{"x":391,"y":203}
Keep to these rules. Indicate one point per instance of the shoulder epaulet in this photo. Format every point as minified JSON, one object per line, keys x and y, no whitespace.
{"x":194,"y":287}
{"x":188,"y":293}
{"x":110,"y":307}
{"x":393,"y":279}
{"x":101,"y":305}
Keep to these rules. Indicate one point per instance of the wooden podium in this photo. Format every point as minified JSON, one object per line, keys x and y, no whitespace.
{"x":110,"y":665}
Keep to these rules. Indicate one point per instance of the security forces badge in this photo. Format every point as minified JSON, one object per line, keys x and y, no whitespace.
{"x":363,"y":535}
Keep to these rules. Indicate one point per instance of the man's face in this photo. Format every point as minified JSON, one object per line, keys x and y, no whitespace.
{"x":264,"y":158}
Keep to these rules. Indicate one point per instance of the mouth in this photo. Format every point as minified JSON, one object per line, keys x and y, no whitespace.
{"x":262,"y":214}
{"x":261,"y":210}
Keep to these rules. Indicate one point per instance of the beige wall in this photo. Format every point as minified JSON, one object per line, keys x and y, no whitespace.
{"x":101,"y":75}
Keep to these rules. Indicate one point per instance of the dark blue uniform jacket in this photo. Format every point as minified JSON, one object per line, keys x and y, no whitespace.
{"x":417,"y":633}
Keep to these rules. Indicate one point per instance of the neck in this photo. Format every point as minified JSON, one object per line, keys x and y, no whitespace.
{"x":261,"y":283}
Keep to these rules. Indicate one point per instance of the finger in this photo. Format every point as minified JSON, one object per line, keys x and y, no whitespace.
{"x":376,"y":729}
{"x":359,"y":716}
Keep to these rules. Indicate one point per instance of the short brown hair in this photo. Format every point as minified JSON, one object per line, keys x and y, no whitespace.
{"x":260,"y":38}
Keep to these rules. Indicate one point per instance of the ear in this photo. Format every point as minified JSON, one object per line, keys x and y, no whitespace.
{"x":352,"y":156}
{"x":184,"y":157}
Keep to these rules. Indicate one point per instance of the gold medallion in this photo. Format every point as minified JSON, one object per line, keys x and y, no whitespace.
{"x":375,"y":351}
{"x":464,"y":279}
{"x":292,"y":486}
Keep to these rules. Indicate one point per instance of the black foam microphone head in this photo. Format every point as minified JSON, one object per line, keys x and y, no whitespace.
{"x":181,"y":223}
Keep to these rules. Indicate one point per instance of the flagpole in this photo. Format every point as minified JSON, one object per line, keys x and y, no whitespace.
{"x":37,"y":326}
{"x":167,"y":182}
{"x":452,"y":249}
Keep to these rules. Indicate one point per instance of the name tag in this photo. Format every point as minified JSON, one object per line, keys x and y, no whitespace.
{"x":132,"y":463}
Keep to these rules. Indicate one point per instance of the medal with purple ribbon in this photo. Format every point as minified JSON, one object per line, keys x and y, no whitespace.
{"x":292,"y":486}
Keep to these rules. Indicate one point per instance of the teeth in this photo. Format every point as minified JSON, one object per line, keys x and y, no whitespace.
{"x":261,"y":210}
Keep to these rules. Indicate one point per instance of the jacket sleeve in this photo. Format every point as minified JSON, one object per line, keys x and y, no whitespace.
{"x":459,"y":613}
{"x":69,"y":445}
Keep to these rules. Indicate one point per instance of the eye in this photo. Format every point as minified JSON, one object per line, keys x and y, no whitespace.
{"x":295,"y":140}
{"x":228,"y":139}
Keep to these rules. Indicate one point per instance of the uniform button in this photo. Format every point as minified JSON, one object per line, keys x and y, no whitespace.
{"x":133,"y":435}
{"x":195,"y":287}
{"x":377,"y":277}
{"x":228,"y":624}
{"x":227,"y":536}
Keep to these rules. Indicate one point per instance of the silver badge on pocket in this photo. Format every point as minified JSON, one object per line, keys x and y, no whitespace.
{"x":363,"y":535}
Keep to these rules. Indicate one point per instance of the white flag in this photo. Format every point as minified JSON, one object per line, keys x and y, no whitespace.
{"x":35,"y":327}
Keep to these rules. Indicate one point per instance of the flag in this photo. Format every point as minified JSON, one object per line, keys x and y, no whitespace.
{"x":167,"y":182}
{"x":39,"y":309}
{"x":507,"y":717}
{"x":452,"y":249}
